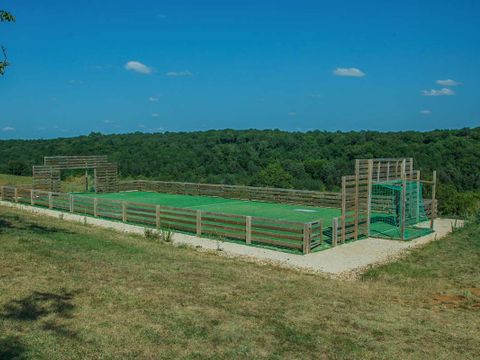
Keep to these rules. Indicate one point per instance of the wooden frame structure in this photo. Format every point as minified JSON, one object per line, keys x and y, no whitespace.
{"x":354,"y":200}
{"x":47,"y":176}
{"x":356,"y":195}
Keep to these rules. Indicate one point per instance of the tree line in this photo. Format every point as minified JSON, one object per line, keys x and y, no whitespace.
{"x":313,"y":160}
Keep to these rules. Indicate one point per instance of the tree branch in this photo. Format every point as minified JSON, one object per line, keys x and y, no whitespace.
{"x":4,"y":63}
{"x":6,"y":16}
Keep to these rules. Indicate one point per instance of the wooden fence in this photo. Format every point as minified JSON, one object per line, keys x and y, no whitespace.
{"x":288,"y":196}
{"x":355,"y":218}
{"x":302,"y":237}
{"x":47,"y":177}
{"x":357,"y":202}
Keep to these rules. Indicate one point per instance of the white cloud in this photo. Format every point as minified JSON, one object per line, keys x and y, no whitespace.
{"x":292,"y":113}
{"x":425,"y":112}
{"x":8,"y":128}
{"x":440,"y":92}
{"x":155,"y":115}
{"x":153,"y":99}
{"x":353,"y":72}
{"x":179,"y":73}
{"x":141,"y":126}
{"x":448,"y":82}
{"x":138,"y":67}
{"x":108,"y":121}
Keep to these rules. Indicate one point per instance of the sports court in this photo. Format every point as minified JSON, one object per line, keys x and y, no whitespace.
{"x":384,"y":198}
{"x":384,"y":224}
{"x":277,"y":211}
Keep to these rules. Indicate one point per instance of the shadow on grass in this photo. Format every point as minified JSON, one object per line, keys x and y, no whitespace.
{"x":11,"y":347}
{"x":40,"y":305}
{"x":40,"y":229}
{"x":18,"y":223}
{"x":5,"y":224}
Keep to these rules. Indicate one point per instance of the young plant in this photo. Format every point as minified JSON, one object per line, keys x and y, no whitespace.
{"x":166,"y":235}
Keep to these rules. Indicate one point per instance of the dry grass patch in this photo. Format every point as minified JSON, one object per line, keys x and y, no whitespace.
{"x":74,"y":291}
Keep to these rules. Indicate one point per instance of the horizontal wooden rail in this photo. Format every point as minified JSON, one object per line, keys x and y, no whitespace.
{"x":289,"y":196}
{"x":250,"y":229}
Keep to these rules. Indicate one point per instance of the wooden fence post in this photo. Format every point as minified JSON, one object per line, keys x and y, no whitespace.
{"x":321,"y":231}
{"x":419,"y":184}
{"x":434,"y":200}
{"x":70,"y":199}
{"x":403,"y":200}
{"x":95,"y":206}
{"x":411,"y":168}
{"x":15,"y":195}
{"x":344,"y":208}
{"x":307,"y":237}
{"x":334,"y":231}
{"x":369,"y":194}
{"x":32,"y":202}
{"x":50,"y":200}
{"x":248,"y":229}
{"x":124,"y":211}
{"x":357,"y":208}
{"x":157,"y":216}
{"x":3,"y":193}
{"x":199,"y":223}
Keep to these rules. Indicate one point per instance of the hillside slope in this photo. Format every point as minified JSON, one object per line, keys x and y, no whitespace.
{"x":71,"y":291}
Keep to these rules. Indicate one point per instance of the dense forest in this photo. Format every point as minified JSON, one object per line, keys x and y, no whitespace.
{"x":312,"y":160}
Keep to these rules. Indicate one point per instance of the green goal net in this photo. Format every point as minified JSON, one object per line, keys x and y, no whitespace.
{"x":386,"y":215}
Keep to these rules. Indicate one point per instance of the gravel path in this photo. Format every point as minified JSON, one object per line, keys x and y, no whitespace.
{"x":344,"y":261}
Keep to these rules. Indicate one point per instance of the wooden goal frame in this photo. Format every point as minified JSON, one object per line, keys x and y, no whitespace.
{"x":356,"y":194}
{"x":47,"y":176}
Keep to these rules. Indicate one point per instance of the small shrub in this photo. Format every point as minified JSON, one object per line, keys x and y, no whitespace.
{"x":219,"y":244}
{"x":166,"y":235}
{"x":160,"y":235}
{"x":152,"y":234}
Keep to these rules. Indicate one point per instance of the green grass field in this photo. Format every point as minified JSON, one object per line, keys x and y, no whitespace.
{"x":71,"y":291}
{"x":228,"y":206}
{"x":14,"y":180}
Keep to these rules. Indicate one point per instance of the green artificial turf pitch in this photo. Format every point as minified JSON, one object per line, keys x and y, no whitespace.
{"x":276,"y":211}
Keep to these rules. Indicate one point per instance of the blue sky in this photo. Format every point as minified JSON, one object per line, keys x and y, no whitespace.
{"x":123,"y":66}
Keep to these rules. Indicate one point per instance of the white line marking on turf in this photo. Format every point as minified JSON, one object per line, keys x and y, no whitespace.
{"x":219,"y":203}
